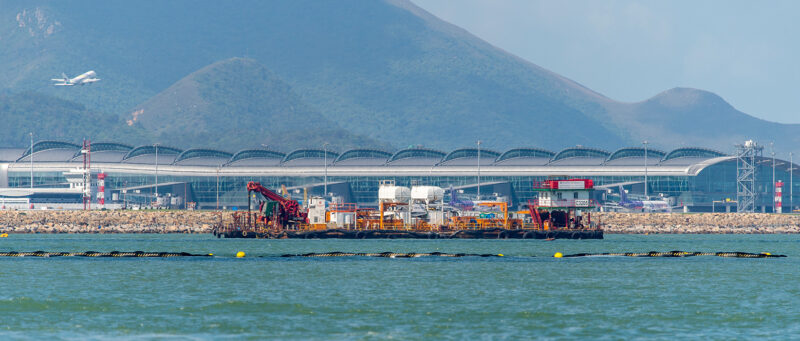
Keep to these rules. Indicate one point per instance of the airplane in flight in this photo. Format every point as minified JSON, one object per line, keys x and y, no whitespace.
{"x":644,"y":205}
{"x":85,"y":78}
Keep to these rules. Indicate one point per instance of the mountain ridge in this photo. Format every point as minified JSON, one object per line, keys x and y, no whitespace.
{"x":387,"y":70}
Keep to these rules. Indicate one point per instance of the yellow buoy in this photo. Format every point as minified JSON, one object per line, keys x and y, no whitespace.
{"x":4,"y":235}
{"x":240,"y":254}
{"x":766,"y":253}
{"x":558,"y":255}
{"x":499,"y":255}
{"x":210,"y":254}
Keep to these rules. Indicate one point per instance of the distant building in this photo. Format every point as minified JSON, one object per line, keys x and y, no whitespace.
{"x":692,"y":177}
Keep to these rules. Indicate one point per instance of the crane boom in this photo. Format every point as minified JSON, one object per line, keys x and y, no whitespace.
{"x":290,"y":209}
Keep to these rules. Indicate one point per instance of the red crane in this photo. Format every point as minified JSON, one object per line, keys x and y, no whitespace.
{"x":289,"y":212}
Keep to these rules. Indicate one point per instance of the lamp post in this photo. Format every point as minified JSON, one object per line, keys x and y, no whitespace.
{"x":791,"y":185}
{"x":156,"y":148}
{"x":218,"y":167}
{"x":31,"y":133}
{"x":645,"y":169}
{"x":479,"y":170}
{"x":772,"y":150}
{"x":325,"y":152}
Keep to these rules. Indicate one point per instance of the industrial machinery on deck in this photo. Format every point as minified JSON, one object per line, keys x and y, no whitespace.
{"x":277,"y":211}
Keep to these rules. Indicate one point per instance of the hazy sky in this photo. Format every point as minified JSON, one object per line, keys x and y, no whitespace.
{"x":631,"y":50}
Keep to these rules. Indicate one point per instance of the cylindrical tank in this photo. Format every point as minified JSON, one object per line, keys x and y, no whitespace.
{"x":427,"y":193}
{"x":394,"y":194}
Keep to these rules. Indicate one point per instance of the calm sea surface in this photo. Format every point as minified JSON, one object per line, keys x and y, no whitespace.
{"x":514,"y":297}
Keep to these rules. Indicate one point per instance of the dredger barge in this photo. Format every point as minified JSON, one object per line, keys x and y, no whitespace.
{"x":561,"y":211}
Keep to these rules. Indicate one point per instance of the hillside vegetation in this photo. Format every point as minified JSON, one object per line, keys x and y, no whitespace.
{"x":375,"y":72}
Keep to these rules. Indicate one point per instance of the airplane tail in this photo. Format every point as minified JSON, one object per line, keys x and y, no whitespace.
{"x":452,"y":194}
{"x":623,"y":197}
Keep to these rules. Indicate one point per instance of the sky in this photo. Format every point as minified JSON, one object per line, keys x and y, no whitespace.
{"x":632,"y":50}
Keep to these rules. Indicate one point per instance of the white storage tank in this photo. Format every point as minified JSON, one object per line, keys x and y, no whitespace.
{"x":427,"y":194}
{"x":394,"y":194}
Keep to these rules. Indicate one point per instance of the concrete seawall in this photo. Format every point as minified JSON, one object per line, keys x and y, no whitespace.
{"x":203,"y":222}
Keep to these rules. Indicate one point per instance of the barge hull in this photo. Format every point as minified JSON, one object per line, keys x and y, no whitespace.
{"x":399,"y":234}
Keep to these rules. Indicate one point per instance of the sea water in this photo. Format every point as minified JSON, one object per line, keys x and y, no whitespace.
{"x":526,"y":294}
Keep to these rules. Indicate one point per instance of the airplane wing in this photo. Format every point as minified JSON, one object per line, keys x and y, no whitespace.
{"x":64,"y":84}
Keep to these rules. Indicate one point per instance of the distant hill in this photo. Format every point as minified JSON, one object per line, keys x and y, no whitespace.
{"x":386,"y":70}
{"x":51,"y":118}
{"x":691,"y":117}
{"x":238,"y":102}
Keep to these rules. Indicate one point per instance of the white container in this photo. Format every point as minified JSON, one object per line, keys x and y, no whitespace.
{"x":394,"y":194}
{"x":427,"y":194}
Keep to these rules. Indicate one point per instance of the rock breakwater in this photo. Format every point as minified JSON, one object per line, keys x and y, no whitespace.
{"x":118,"y":221}
{"x":716,"y":223}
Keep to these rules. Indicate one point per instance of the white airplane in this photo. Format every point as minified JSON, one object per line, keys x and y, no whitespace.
{"x":86,"y":78}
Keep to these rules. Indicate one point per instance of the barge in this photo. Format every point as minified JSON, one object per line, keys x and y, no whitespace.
{"x":561,"y":211}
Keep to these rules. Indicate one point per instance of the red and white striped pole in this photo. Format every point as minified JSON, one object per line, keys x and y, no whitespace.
{"x":101,"y":190}
{"x":778,"y":197}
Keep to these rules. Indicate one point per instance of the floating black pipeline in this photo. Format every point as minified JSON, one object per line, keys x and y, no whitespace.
{"x":391,"y":254}
{"x":734,"y":254}
{"x":121,"y":254}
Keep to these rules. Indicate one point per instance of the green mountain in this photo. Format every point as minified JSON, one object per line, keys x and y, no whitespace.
{"x":51,"y":118}
{"x":238,"y":102}
{"x":386,"y":70}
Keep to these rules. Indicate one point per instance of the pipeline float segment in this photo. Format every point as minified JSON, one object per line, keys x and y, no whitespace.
{"x":392,"y":254}
{"x":734,"y":254}
{"x":120,"y":254}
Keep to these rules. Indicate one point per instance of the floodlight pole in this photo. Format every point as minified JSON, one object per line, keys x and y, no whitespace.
{"x":479,"y":170}
{"x":772,"y":150}
{"x":791,"y":185}
{"x":645,"y":170}
{"x":156,"y":148}
{"x":325,"y":152}
{"x":31,"y":156}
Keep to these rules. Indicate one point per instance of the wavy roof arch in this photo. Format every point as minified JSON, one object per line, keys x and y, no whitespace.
{"x":256,"y":154}
{"x":151,"y":149}
{"x":310,"y":154}
{"x":697,"y":152}
{"x":581,"y":151}
{"x":636,"y":152}
{"x":469,"y":153}
{"x":421,"y":153}
{"x":197,"y":153}
{"x":50,"y":145}
{"x":526,"y":153}
{"x":363,"y":154}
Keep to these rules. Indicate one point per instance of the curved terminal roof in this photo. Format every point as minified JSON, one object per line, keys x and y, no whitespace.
{"x":525,"y":157}
{"x":469,"y":156}
{"x":365,"y":157}
{"x":51,"y":151}
{"x":203,"y":157}
{"x":147,"y":154}
{"x":693,"y":152}
{"x":308,"y":157}
{"x":105,"y":152}
{"x":580,"y":156}
{"x":416,"y":157}
{"x":256,"y":157}
{"x":634,"y":156}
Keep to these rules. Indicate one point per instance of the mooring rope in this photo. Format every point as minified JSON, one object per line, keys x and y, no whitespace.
{"x":732,"y":254}
{"x":124,"y":254}
{"x":392,"y":254}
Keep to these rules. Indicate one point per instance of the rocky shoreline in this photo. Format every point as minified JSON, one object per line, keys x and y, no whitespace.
{"x":698,"y":223}
{"x":204,"y":221}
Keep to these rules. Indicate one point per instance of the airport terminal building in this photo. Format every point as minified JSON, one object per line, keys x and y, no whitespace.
{"x":696,"y":178}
